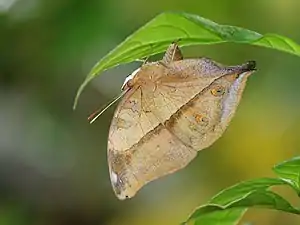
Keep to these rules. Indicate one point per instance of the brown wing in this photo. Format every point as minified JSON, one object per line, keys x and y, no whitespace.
{"x":181,"y":82}
{"x":131,"y":121}
{"x":201,"y":109}
{"x":159,"y":126}
{"x":140,"y":148}
{"x":197,"y":122}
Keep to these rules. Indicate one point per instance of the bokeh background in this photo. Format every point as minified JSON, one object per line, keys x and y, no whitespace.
{"x":53,"y":168}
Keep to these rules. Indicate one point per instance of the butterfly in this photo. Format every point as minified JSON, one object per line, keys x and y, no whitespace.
{"x":169,"y":110}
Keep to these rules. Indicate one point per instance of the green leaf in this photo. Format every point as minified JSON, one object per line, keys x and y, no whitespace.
{"x":155,"y":36}
{"x":242,"y":189}
{"x":229,"y":205}
{"x":289,"y":171}
{"x":231,"y":213}
{"x":214,"y":215}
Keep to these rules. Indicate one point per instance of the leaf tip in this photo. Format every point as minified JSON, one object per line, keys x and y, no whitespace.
{"x":76,"y":100}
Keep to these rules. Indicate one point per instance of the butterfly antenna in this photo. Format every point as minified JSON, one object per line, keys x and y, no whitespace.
{"x":100,"y":111}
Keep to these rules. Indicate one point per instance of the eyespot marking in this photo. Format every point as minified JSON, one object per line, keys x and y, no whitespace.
{"x":218,"y":91}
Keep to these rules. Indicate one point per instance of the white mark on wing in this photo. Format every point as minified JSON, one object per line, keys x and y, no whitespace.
{"x":113,"y":177}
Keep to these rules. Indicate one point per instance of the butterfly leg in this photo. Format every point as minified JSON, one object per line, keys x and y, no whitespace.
{"x":143,"y":60}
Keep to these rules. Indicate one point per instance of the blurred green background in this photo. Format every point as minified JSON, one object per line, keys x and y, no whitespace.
{"x":53,"y":168}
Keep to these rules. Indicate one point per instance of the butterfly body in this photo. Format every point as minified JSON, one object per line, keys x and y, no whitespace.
{"x":172,"y":109}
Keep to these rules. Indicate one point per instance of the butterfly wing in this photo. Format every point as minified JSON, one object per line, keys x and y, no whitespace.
{"x":158,"y":128}
{"x":140,"y":148}
{"x":202,"y":104}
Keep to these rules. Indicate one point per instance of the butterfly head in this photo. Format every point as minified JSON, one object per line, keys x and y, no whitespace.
{"x":250,"y":66}
{"x":128,"y":83}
